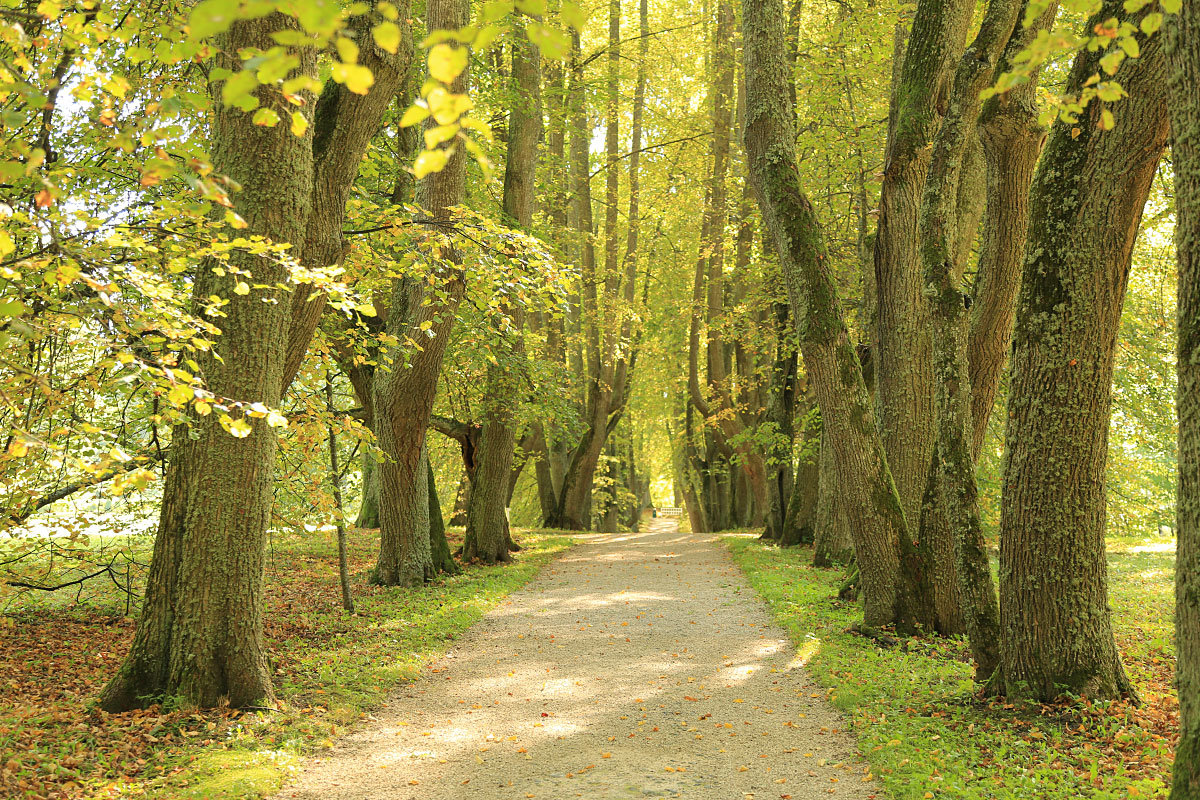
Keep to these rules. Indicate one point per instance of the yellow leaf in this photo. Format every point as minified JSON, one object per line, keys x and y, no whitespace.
{"x":357,"y":78}
{"x":180,"y":395}
{"x":413,"y":115}
{"x":241,"y":288}
{"x":6,"y":244}
{"x":239,"y":429}
{"x":446,"y":62}
{"x":299,"y":123}
{"x":431,"y":161}
{"x":387,"y":36}
{"x":276,"y":420}
{"x":347,"y":50}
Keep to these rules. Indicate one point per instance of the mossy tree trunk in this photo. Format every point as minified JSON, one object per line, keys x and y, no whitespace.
{"x":902,"y":349}
{"x":200,"y":635}
{"x":404,"y":392}
{"x":871,"y":502}
{"x":1085,"y":207}
{"x":956,"y":492}
{"x":1183,"y":36}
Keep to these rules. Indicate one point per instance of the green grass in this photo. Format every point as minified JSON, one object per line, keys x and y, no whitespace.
{"x":924,"y":731}
{"x":331,"y":669}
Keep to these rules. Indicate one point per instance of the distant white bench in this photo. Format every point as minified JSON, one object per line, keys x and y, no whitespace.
{"x":669,"y":512}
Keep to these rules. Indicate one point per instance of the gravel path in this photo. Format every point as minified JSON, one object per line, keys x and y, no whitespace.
{"x":637,"y":665}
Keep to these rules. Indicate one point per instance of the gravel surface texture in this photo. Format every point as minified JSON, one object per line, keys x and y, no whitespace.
{"x":637,"y":665}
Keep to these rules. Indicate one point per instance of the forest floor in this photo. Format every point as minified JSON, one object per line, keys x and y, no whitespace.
{"x":926,"y":732}
{"x":637,"y":665}
{"x":57,"y":649}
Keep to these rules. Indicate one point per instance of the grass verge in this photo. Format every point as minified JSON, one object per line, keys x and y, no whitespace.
{"x":331,"y":670}
{"x":927,"y":735}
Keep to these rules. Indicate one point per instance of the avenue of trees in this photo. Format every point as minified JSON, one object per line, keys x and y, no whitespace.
{"x":892,"y":280}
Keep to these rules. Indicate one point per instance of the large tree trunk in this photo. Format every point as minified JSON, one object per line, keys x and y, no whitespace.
{"x":902,"y":347}
{"x":344,"y":123}
{"x":200,"y":636}
{"x":872,"y":505}
{"x":1012,"y":141}
{"x":1085,"y":208}
{"x":800,"y":522}
{"x":952,"y":487}
{"x":1183,"y":36}
{"x":404,"y":392}
{"x":487,"y":534}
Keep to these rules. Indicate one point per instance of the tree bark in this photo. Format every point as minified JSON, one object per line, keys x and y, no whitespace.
{"x":873,"y":507}
{"x":404,"y":392}
{"x":1085,"y":208}
{"x":200,"y":635}
{"x":1183,"y":47}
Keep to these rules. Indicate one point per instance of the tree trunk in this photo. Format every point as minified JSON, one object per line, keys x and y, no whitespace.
{"x":486,"y":535}
{"x":1183,"y":44}
{"x":968,"y":597}
{"x":462,"y":498}
{"x":200,"y":635}
{"x":335,"y":483}
{"x":573,"y":510}
{"x":800,"y":524}
{"x":404,"y":394}
{"x":486,"y":538}
{"x":832,"y":543}
{"x":902,"y":347}
{"x":368,"y":510}
{"x":1012,"y":141}
{"x":439,"y":547}
{"x":779,"y":413}
{"x":872,"y":505}
{"x":1085,"y":207}
{"x":343,"y":125}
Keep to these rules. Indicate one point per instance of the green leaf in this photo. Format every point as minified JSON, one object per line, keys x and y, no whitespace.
{"x":553,"y":43}
{"x":1171,"y":6}
{"x":1130,"y":45}
{"x":265,"y":117}
{"x":238,"y":89}
{"x":1151,"y":23}
{"x":573,"y":14}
